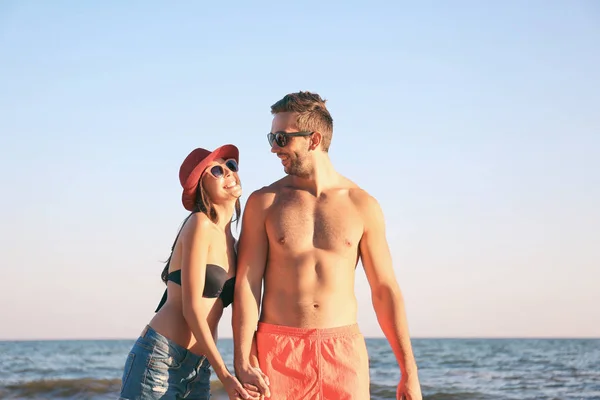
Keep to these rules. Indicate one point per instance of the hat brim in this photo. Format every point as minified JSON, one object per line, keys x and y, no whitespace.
{"x":188,"y":197}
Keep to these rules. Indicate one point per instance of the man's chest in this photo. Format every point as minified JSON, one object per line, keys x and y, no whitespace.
{"x":301,"y":222}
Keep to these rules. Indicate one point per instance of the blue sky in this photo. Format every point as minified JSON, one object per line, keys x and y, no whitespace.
{"x":475,"y":125}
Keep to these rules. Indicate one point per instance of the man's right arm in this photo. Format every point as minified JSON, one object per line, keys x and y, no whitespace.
{"x":251,"y":262}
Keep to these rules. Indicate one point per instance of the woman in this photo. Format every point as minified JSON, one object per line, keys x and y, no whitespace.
{"x":172,"y":357}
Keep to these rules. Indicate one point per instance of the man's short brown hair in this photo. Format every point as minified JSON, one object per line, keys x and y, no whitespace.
{"x":313,"y":114}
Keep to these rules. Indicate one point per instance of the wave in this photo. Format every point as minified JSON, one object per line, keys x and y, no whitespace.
{"x":83,"y":388}
{"x":90,"y":388}
{"x":63,"y":388}
{"x":381,"y":392}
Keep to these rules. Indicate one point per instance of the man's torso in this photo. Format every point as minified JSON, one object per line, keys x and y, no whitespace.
{"x":313,"y":252}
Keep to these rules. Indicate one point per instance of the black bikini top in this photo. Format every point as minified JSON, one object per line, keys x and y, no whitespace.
{"x":216,"y":284}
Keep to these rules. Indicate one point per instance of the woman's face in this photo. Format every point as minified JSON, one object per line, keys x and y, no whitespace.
{"x":221,"y":181}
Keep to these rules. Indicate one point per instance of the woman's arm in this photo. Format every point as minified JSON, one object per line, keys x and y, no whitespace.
{"x":196,"y":245}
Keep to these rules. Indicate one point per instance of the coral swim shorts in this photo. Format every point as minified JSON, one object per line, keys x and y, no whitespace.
{"x":314,"y":364}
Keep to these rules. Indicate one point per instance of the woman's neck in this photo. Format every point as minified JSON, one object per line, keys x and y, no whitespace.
{"x":225,"y":214}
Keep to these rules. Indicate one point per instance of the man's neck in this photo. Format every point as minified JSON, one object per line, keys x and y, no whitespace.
{"x":322,"y":177}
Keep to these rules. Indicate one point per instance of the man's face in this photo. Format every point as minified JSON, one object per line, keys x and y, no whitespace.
{"x":295,"y":154}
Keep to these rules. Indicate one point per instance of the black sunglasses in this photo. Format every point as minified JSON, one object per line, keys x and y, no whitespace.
{"x":281,"y":138}
{"x":217,"y":171}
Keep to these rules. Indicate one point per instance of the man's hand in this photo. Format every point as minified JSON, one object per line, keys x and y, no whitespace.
{"x":254,"y":380}
{"x":409,"y":389}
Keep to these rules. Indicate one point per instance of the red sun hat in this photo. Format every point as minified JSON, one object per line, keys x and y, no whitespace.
{"x":194,"y":166}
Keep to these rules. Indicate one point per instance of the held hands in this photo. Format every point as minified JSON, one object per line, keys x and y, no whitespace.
{"x":234,"y":388}
{"x":254,"y":381}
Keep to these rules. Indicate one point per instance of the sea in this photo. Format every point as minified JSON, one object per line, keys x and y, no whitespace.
{"x":449,"y":369}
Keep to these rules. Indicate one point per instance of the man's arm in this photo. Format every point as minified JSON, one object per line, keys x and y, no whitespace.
{"x":252,"y":258}
{"x":385,"y":291}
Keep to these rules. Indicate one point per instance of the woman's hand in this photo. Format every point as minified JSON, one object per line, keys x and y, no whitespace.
{"x":234,"y":388}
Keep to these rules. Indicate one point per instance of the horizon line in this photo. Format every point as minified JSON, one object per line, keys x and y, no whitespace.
{"x":2,"y":340}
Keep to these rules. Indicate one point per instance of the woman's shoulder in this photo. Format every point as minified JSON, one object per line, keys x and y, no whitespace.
{"x":199,"y":221}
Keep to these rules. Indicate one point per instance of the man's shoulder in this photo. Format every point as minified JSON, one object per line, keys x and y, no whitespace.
{"x":272,"y":188}
{"x":367,"y":206}
{"x":266,"y":194}
{"x":362,"y":199}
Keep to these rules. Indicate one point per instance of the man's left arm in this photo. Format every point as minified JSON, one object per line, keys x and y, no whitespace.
{"x":387,"y":298}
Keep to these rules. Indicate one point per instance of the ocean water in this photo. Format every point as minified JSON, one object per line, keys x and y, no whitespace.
{"x":449,"y":369}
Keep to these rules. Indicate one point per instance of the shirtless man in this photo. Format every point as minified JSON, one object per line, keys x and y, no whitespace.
{"x":304,"y":235}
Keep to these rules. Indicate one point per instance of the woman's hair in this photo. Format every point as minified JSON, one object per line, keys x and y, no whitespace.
{"x":204,"y":205}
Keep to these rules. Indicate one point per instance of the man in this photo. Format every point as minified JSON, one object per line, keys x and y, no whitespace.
{"x":303,"y":235}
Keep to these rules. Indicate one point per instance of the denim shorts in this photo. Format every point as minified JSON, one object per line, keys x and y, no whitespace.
{"x":158,"y":368}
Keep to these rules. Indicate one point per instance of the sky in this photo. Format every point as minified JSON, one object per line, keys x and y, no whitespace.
{"x":475,"y":125}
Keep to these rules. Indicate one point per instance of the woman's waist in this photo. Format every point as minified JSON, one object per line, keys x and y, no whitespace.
{"x":171,"y":324}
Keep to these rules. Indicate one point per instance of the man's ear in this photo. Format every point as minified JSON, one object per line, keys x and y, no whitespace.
{"x":315,"y":140}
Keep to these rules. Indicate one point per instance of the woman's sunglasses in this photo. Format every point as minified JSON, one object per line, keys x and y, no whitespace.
{"x":218,"y":171}
{"x":281,"y":138}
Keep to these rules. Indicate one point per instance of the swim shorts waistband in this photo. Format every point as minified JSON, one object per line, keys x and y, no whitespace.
{"x":339,"y":331}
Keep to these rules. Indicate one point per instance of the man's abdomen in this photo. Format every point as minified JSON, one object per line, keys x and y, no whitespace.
{"x":312,"y":293}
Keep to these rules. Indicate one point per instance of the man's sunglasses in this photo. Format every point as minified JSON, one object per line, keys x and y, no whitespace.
{"x":281,"y":138}
{"x":218,"y":171}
